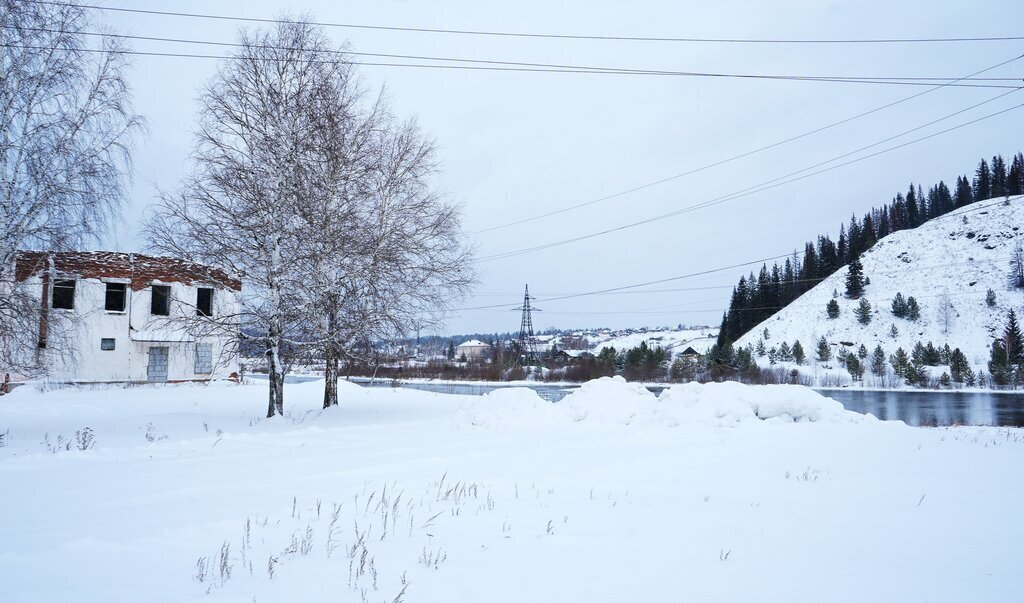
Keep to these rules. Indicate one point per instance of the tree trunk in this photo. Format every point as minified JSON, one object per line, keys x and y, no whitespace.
{"x":275,"y":374}
{"x":331,"y":378}
{"x":331,"y":356}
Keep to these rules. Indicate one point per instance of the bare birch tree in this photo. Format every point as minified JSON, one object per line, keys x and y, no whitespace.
{"x":66,"y":129}
{"x":255,"y":162}
{"x":383,"y":248}
{"x":319,"y":202}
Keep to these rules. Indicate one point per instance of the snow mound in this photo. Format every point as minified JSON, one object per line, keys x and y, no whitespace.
{"x":608,"y":400}
{"x":730,"y":403}
{"x":507,"y":408}
{"x":614,"y":401}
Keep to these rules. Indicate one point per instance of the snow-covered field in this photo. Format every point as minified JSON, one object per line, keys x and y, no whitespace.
{"x":947,"y":264}
{"x":710,"y":492}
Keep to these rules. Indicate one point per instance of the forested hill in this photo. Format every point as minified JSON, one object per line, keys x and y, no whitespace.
{"x":757,"y":298}
{"x":951,"y":284}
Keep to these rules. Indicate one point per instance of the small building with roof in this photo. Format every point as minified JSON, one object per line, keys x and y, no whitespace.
{"x":474,"y":349}
{"x":126,"y":317}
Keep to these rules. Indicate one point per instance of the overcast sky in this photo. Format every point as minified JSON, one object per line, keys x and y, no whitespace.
{"x":516,"y":145}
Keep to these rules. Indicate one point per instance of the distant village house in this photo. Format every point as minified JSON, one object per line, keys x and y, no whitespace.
{"x":473,"y":349}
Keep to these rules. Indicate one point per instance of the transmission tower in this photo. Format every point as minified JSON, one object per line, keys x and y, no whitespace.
{"x":527,"y":342}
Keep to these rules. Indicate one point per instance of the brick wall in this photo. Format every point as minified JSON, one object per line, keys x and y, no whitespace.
{"x":140,"y":270}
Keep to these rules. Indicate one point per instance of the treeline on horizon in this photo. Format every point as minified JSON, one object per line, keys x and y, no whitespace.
{"x":758,"y":298}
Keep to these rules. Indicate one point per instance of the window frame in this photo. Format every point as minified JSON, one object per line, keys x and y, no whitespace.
{"x":124,"y":297}
{"x":200,"y":311}
{"x":62,"y":284}
{"x":206,"y":358}
{"x":166,"y":294}
{"x":103,"y":342}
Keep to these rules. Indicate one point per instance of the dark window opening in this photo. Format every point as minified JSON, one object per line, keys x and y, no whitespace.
{"x":64,"y":295}
{"x":160,"y":304}
{"x":204,"y":301}
{"x":107,"y":344}
{"x":115,"y":297}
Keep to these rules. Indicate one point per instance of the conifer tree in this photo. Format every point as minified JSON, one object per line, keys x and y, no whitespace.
{"x":913,"y":211}
{"x":913,"y":310}
{"x":878,"y":361}
{"x":863,"y":311}
{"x":761,"y":351}
{"x":824,"y":352}
{"x":917,"y":354}
{"x":1013,"y":342}
{"x":990,"y":298}
{"x":958,"y":366}
{"x":982,"y":182}
{"x":832,"y":309}
{"x":799,"y":356}
{"x":899,"y":306}
{"x":785,"y":352}
{"x":1015,"y":178}
{"x":964,"y":194}
{"x":899,"y":361}
{"x":854,"y":367}
{"x":999,"y":365}
{"x":893,"y":331}
{"x":855,"y":279}
{"x":862,"y":352}
{"x":998,"y":176}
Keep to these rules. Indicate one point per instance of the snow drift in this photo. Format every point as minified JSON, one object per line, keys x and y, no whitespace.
{"x":614,"y":401}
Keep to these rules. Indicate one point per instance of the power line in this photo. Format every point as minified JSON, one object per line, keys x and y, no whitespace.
{"x":719,"y":309}
{"x":737,"y":157}
{"x":744,"y":192}
{"x":762,"y":308}
{"x":546,"y":66}
{"x":513,"y":34}
{"x":972,"y":208}
{"x":591,"y":71}
{"x":637,"y":285}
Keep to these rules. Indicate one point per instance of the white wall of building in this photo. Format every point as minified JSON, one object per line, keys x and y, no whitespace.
{"x":135,"y":330}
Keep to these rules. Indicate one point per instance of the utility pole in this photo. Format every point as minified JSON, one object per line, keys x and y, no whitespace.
{"x":527,"y":341}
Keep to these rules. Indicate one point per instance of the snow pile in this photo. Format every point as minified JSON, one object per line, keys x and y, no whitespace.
{"x":614,"y":401}
{"x":608,"y":400}
{"x":507,"y":409}
{"x":730,"y":403}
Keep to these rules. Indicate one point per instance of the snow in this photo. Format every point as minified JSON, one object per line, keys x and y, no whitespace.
{"x":614,"y":401}
{"x":717,"y":492}
{"x":473,"y":343}
{"x":953,"y":259}
{"x":673,"y":340}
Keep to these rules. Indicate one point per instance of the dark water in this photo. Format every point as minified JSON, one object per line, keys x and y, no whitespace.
{"x":912,"y":407}
{"x":936,"y":408}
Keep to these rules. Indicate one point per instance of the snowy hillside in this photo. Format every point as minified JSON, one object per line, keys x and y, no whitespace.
{"x":947,"y":265}
{"x":675,"y":340}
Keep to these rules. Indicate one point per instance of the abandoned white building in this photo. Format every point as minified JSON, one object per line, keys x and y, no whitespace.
{"x":131,"y":317}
